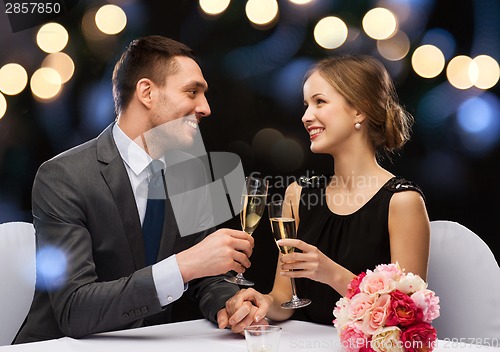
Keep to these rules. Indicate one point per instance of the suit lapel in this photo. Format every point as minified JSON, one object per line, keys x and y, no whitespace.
{"x":114,"y":173}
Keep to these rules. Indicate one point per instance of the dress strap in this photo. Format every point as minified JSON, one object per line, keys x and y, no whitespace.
{"x":399,"y":184}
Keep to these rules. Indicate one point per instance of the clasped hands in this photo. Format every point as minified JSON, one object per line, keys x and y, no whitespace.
{"x":250,"y":307}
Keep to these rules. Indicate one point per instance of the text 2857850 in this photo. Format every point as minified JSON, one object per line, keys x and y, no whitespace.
{"x":32,"y":7}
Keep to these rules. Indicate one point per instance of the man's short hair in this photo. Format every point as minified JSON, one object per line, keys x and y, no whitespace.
{"x":149,"y":57}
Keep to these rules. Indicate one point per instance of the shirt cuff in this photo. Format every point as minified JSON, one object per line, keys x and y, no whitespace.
{"x":168,"y":280}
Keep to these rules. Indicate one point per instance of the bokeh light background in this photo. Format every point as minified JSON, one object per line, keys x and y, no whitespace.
{"x":55,"y":90}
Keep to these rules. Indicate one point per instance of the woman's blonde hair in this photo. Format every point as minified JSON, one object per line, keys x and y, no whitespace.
{"x":366,"y":86}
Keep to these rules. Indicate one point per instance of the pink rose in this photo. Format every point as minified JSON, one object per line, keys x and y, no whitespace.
{"x":420,"y":337}
{"x":376,"y":319}
{"x":402,"y":310}
{"x":353,"y":287}
{"x":352,"y":339}
{"x":428,"y":302}
{"x":379,"y":282}
{"x":360,"y":305}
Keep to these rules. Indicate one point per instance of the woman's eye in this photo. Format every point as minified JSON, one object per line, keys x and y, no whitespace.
{"x":320,"y":101}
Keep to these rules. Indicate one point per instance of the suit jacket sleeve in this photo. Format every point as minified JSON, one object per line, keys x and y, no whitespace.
{"x":211,"y":293}
{"x":81,"y":304}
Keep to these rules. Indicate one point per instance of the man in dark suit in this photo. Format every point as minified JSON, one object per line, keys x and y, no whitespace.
{"x":87,"y":203}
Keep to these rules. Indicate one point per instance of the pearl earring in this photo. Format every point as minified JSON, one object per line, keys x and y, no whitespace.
{"x":357,"y":126}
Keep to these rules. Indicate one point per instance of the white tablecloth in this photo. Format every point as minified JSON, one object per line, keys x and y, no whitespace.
{"x":203,"y":336}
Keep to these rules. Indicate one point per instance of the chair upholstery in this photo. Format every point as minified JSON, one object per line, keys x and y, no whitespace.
{"x":17,"y":276}
{"x":465,"y":275}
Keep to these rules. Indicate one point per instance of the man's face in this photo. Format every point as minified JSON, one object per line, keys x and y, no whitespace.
{"x":178,"y":108}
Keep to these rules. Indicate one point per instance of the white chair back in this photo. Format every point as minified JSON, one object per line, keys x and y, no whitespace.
{"x":465,"y":275}
{"x":17,"y":276}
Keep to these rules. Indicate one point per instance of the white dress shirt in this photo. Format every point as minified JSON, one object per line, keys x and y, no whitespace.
{"x":166,"y":274}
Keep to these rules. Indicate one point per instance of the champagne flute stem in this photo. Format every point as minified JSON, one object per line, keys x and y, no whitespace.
{"x":294,"y":293}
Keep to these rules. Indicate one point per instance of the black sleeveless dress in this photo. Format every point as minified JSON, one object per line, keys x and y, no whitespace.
{"x":357,"y":241}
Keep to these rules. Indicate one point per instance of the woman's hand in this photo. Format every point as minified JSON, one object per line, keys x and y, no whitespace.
{"x":311,"y":263}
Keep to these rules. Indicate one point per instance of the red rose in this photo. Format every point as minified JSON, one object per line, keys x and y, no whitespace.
{"x":353,"y":287}
{"x":420,"y":337}
{"x":402,"y":310}
{"x":367,"y":347}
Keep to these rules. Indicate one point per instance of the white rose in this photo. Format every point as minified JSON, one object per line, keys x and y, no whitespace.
{"x":388,"y":340}
{"x":341,"y":312}
{"x":411,"y":283}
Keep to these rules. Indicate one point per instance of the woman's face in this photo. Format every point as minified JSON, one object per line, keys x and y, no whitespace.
{"x":328,"y":118}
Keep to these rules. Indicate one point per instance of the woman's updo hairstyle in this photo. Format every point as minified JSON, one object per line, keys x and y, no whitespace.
{"x":366,"y":86}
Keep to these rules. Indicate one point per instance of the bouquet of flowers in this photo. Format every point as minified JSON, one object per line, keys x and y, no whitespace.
{"x":387,"y":310}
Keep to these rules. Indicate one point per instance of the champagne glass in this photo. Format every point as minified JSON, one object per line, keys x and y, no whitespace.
{"x":283,"y":226}
{"x":253,"y":204}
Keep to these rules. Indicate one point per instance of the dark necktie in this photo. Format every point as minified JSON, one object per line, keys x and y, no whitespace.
{"x":152,"y":226}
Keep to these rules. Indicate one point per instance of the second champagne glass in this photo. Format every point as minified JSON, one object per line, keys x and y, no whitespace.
{"x":253,"y":204}
{"x":283,"y":226}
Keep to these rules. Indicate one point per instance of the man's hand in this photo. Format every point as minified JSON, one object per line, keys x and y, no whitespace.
{"x":220,"y":252}
{"x":247,"y":307}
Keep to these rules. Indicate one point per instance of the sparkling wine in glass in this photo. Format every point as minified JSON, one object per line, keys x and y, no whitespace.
{"x":283,"y":226}
{"x":253,"y":204}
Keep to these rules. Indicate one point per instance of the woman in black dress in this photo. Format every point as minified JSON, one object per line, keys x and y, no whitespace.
{"x":362,"y":215}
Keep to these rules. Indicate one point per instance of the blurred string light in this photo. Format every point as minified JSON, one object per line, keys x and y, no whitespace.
{"x":3,"y":105}
{"x":62,"y":63}
{"x":287,"y":85}
{"x":484,"y":71}
{"x":395,"y":48}
{"x":264,"y":140}
{"x":464,"y":72}
{"x":97,"y":106}
{"x":379,"y":23}
{"x":411,"y":15}
{"x":402,"y":9}
{"x":301,"y":2}
{"x":474,"y":115}
{"x":442,"y":39}
{"x":110,"y":19}
{"x":428,"y":61}
{"x":52,"y":37}
{"x":457,"y":72}
{"x":51,"y":267}
{"x":89,"y":26}
{"x":45,"y":83}
{"x":214,"y":7}
{"x":13,"y":79}
{"x":262,"y":13}
{"x":479,"y":120}
{"x":330,"y":32}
